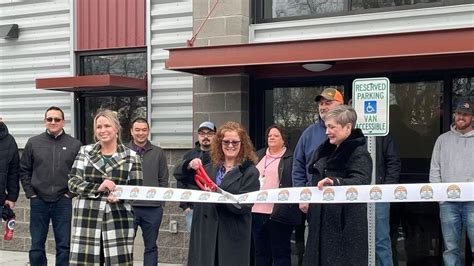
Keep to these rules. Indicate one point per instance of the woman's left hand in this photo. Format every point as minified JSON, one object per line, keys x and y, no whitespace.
{"x":325,"y":182}
{"x":111,"y":198}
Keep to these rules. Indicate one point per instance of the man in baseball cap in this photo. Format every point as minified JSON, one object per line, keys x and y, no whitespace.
{"x":207,"y":124}
{"x":206,"y":132}
{"x":451,"y":162}
{"x":330,"y":94}
{"x":313,"y":136}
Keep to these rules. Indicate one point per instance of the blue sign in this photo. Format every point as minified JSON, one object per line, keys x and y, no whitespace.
{"x":370,"y":107}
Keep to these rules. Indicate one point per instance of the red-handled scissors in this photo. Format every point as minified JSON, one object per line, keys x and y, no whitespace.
{"x":205,"y":183}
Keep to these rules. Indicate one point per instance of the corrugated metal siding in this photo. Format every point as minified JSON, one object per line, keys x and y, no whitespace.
{"x":107,"y":24}
{"x":42,"y":50}
{"x":171,"y":92}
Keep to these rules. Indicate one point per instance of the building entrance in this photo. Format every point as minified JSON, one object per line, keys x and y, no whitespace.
{"x":420,"y":110}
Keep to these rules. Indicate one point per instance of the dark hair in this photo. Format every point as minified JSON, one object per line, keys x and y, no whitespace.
{"x":140,"y":120}
{"x":282,"y":131}
{"x":56,"y":109}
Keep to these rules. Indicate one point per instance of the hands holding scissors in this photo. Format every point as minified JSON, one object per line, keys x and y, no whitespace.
{"x":195,"y":164}
{"x":108,"y":186}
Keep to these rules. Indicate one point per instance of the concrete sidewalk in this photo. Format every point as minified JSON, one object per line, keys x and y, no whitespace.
{"x":15,"y":258}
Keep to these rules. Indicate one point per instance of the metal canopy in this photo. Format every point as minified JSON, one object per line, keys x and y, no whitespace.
{"x":361,"y":54}
{"x":93,"y":83}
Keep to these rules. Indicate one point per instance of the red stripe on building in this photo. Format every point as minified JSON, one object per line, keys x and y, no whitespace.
{"x":110,"y":24}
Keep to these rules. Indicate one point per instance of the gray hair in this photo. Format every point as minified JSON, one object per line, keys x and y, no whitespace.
{"x":113,"y":118}
{"x":343,"y":115}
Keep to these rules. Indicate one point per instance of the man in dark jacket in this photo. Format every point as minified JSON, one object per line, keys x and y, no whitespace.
{"x":45,"y":164}
{"x":388,"y":169}
{"x":148,"y":214}
{"x":206,"y":132}
{"x":9,"y":168}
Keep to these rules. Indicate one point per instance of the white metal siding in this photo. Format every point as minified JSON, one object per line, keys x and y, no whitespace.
{"x":171,"y":93}
{"x":43,"y":49}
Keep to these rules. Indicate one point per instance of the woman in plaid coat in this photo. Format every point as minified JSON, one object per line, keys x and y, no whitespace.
{"x":103,"y":229}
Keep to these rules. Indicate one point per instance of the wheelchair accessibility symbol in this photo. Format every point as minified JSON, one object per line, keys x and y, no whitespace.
{"x":370,"y":107}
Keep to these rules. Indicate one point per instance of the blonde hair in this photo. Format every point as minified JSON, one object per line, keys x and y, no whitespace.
{"x":113,"y":119}
{"x":247,"y":151}
{"x":343,"y":115}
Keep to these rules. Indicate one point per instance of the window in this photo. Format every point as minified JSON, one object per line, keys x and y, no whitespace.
{"x":131,"y":65}
{"x":128,"y":105}
{"x":128,"y":108}
{"x":293,"y":108}
{"x":275,"y":10}
{"x":463,"y":88}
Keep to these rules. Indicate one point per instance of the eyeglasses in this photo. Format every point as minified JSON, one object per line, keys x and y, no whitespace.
{"x":55,"y":119}
{"x":233,"y":142}
{"x":206,"y":134}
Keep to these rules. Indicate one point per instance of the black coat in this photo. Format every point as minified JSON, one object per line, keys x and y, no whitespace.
{"x":221,"y":231}
{"x":45,"y":165}
{"x":9,"y":166}
{"x":284,"y":213}
{"x":338,"y":232}
{"x":388,"y":161}
{"x":184,"y":176}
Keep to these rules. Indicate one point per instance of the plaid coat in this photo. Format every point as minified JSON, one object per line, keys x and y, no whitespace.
{"x":93,"y":217}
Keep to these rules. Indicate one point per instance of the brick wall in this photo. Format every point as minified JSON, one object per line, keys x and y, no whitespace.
{"x":221,"y":99}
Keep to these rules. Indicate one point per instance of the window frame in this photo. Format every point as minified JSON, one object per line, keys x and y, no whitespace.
{"x":79,"y":97}
{"x":258,"y":10}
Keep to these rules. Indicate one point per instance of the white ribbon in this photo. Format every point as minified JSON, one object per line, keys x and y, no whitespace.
{"x":423,"y":192}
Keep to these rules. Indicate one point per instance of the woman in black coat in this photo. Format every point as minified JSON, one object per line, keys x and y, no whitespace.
{"x":338,"y":232}
{"x":272,"y":224}
{"x":220,"y":233}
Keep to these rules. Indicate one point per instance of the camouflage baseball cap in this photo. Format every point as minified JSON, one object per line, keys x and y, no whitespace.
{"x":330,"y":94}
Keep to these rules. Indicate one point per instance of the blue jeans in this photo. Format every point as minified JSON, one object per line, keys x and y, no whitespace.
{"x":41,"y":212}
{"x":149,"y":220}
{"x":189,"y":219}
{"x":271,"y":241}
{"x":383,"y":246}
{"x":453,"y":216}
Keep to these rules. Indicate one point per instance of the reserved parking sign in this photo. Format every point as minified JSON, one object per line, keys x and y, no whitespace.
{"x":370,"y":99}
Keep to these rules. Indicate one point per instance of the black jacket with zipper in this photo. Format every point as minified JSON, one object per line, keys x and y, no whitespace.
{"x":388,"y":162}
{"x":45,"y":165}
{"x":9,"y":166}
{"x":284,"y":213}
{"x":184,"y":176}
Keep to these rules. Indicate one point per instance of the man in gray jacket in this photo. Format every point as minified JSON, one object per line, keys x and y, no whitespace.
{"x":44,"y":167}
{"x":453,"y":161}
{"x":148,"y":214}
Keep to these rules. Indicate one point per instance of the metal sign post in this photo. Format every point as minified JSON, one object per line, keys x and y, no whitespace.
{"x":370,"y":99}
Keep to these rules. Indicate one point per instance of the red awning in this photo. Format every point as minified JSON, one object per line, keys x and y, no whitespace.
{"x":92,"y":83}
{"x":446,"y":49}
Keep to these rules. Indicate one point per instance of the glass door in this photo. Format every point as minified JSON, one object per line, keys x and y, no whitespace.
{"x":415,"y":124}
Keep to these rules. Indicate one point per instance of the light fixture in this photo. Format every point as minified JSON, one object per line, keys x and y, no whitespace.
{"x":317,"y":67}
